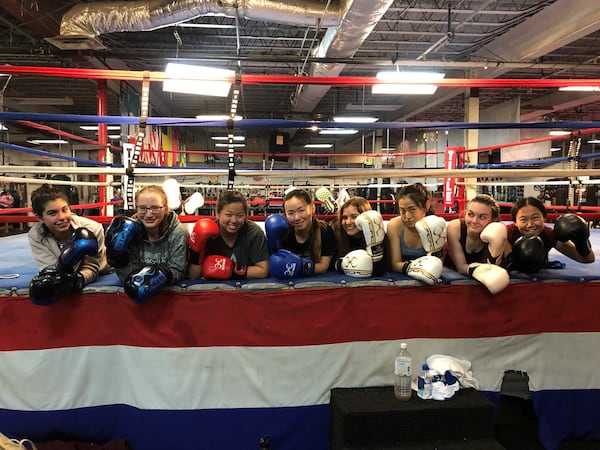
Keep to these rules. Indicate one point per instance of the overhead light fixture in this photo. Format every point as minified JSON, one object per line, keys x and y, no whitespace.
{"x":356,"y":119}
{"x":217,"y":117}
{"x":198,"y":80}
{"x":559,"y":133}
{"x":51,"y":101}
{"x":225,"y":138}
{"x":406,"y":78}
{"x":580,"y":88}
{"x":318,"y":145}
{"x":594,"y":141}
{"x":371,"y":107}
{"x":95,"y":127}
{"x":338,"y":131}
{"x":555,"y":149}
{"x":223,"y":145}
{"x":47,"y":141}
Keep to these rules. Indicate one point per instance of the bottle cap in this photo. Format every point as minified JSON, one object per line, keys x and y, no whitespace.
{"x":403,"y":345}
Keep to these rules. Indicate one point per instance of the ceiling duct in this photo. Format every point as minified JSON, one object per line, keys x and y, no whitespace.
{"x":84,"y":21}
{"x":358,"y":20}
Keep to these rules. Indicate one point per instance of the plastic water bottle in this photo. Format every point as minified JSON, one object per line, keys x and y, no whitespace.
{"x":402,"y":373}
{"x":424,"y":383}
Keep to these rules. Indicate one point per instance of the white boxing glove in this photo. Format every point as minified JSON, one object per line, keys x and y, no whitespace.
{"x":432,"y":231}
{"x":495,"y":236}
{"x":194,"y":201}
{"x":427,"y":269}
{"x":324,"y":195}
{"x":493,"y":277}
{"x":371,"y":224}
{"x":357,"y":263}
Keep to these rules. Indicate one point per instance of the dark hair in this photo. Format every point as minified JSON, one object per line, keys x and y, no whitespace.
{"x":230,"y":196}
{"x":362,"y":205}
{"x":527,"y":201}
{"x":489,"y":201}
{"x":315,"y":229}
{"x":44,"y":194}
{"x":418,"y":194}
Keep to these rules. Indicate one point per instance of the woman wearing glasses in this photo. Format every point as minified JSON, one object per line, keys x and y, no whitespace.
{"x":149,"y":249}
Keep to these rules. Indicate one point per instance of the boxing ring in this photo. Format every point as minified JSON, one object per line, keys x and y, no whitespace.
{"x":218,"y":365}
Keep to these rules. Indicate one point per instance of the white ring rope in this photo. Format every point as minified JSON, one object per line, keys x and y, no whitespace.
{"x":317,"y":173}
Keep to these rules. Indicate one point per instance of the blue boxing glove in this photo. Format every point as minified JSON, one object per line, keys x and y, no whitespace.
{"x":276,"y":227}
{"x":82,"y":242}
{"x":285,"y":264}
{"x":142,"y":284}
{"x":119,"y":234}
{"x":50,"y":284}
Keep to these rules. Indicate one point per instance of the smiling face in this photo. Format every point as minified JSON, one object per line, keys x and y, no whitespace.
{"x":151,"y":209}
{"x":478,"y":215}
{"x":299,"y":214}
{"x":57,"y":217}
{"x":349,"y":215}
{"x":530,"y":221}
{"x":232,"y":218}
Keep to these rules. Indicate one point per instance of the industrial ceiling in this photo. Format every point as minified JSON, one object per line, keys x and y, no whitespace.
{"x":514,"y":39}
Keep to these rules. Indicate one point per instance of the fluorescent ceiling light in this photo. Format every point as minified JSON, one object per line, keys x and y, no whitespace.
{"x":559,"y":133}
{"x":406,"y":78}
{"x":114,"y":136}
{"x":219,"y":144}
{"x":217,"y":117}
{"x":47,"y":141}
{"x":580,"y":88}
{"x":555,"y":149}
{"x":371,"y":107}
{"x":356,"y":119}
{"x":338,"y":131}
{"x":95,"y":127}
{"x":594,"y":141}
{"x":318,"y":146}
{"x":58,"y":101}
{"x":224,"y":138}
{"x":197,"y":80}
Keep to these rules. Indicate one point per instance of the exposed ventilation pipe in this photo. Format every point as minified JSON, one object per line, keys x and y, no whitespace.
{"x":88,"y":20}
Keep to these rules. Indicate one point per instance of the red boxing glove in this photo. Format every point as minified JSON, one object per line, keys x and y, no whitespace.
{"x":203,"y":230}
{"x":217,"y":267}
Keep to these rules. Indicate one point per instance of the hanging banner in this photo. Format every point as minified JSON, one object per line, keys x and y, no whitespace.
{"x":450,"y":183}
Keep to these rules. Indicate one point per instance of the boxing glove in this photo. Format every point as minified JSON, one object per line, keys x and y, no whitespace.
{"x":324,"y":195}
{"x":371,"y":224}
{"x":142,"y":284}
{"x":432,"y":231}
{"x":119,"y":234}
{"x":571,"y":227}
{"x":194,"y":201}
{"x":528,"y":255}
{"x":276,"y":227}
{"x":285,"y":264}
{"x":357,"y":263}
{"x":217,"y":267}
{"x":49,"y":285}
{"x":82,"y":242}
{"x":493,"y":277}
{"x":427,"y":269}
{"x":495,"y":236}
{"x":204,"y":229}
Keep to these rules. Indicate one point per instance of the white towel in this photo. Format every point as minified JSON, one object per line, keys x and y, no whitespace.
{"x":460,"y":368}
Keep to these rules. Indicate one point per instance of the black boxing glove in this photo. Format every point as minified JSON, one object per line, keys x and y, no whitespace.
{"x":50,"y":284}
{"x":571,"y":227}
{"x":528,"y":255}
